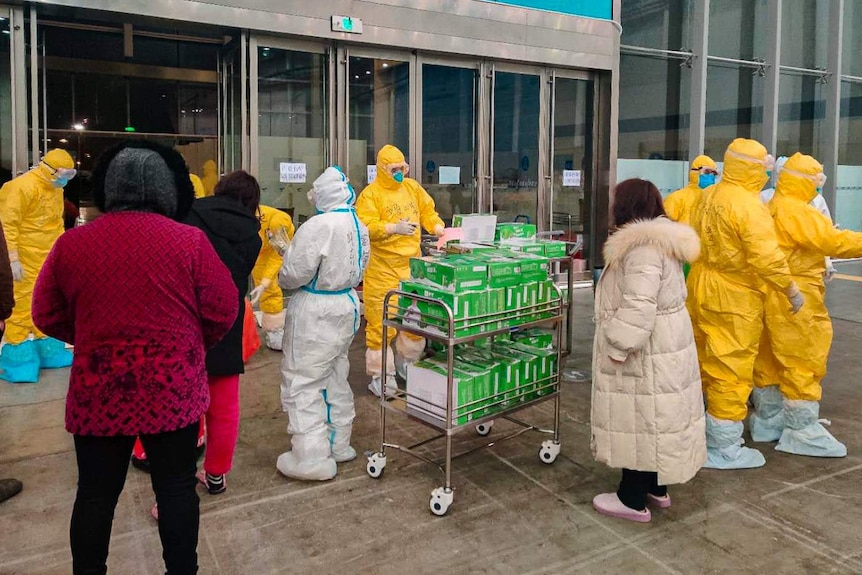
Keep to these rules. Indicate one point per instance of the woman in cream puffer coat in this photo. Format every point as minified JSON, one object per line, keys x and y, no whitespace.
{"x":647,"y":402}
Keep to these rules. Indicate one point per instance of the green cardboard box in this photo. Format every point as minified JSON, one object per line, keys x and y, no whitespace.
{"x":528,"y":248}
{"x":503,"y":271}
{"x":534,"y":337}
{"x":545,"y":368}
{"x":526,"y":363}
{"x":455,"y":273}
{"x":509,"y":230}
{"x":465,"y":307}
{"x":482,"y":380}
{"x":508,"y":369}
{"x":533,"y":267}
{"x":554,"y":248}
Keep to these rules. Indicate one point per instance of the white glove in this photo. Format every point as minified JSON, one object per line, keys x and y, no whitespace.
{"x":439,"y":230}
{"x":402,"y":228}
{"x":255,"y":294}
{"x":796,"y":299}
{"x":830,"y":271}
{"x":17,"y":271}
{"x":278,"y":240}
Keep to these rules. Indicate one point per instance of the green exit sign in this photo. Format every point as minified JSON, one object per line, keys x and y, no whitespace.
{"x":346,"y":24}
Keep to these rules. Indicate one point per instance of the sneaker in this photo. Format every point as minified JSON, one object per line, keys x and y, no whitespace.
{"x":215,"y":484}
{"x":609,"y":504}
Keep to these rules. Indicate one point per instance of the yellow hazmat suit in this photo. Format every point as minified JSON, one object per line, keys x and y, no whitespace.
{"x":382,"y":206}
{"x":793,"y":362}
{"x":265,"y":273}
{"x":679,"y":204}
{"x":739,"y":254}
{"x":198,"y":185}
{"x":31,"y":209}
{"x":210,"y":177}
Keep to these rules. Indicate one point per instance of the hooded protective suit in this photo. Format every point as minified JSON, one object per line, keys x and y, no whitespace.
{"x":31,"y":209}
{"x":265,"y":274}
{"x":739,"y":255}
{"x":210,"y":177}
{"x":679,"y":204}
{"x":325,"y":261}
{"x":385,"y":206}
{"x":198,"y":185}
{"x":792,"y":364}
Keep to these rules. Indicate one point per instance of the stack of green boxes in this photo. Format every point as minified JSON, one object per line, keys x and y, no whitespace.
{"x":484,"y":287}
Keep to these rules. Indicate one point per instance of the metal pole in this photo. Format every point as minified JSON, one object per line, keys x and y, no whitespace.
{"x":700,"y":65}
{"x":773,"y":77}
{"x":833,"y":101}
{"x":34,"y":87}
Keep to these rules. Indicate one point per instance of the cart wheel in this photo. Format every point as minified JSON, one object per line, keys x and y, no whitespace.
{"x":484,"y":429}
{"x":376,"y":465}
{"x":549,"y":452}
{"x":441,"y":499}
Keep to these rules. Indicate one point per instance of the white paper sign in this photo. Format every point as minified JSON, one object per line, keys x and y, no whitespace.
{"x":372,"y":173}
{"x":290,"y":173}
{"x":450,"y":175}
{"x":571,"y":178}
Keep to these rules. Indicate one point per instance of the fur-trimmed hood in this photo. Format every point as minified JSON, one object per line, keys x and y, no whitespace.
{"x":675,"y":240}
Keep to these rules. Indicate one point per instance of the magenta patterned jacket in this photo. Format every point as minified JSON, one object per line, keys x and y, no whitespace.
{"x":141,"y":297}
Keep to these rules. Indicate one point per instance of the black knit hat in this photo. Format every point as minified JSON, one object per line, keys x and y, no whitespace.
{"x":143,"y":176}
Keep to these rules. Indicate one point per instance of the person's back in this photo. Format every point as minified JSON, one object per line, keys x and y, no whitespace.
{"x":136,"y":314}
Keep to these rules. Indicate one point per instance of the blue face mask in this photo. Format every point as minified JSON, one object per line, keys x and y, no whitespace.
{"x":768,"y":173}
{"x":399,"y":177}
{"x":61,"y":182}
{"x":706,"y":180}
{"x":819,"y":190}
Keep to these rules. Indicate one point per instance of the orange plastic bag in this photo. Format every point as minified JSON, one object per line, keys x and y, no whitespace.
{"x":250,"y":337}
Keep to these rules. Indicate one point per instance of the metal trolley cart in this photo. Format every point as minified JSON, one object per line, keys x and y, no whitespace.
{"x":449,"y":419}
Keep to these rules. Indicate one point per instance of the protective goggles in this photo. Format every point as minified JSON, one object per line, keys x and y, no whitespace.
{"x":392,"y":169}
{"x":706,"y":170}
{"x":61,"y":173}
{"x":768,"y":162}
{"x":819,"y":179}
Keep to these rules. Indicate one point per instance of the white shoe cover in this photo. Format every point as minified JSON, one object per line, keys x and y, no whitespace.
{"x":274,"y":339}
{"x":391,"y":386}
{"x":322,"y":470}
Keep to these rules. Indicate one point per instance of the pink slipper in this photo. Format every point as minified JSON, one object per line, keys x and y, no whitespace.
{"x":609,"y":504}
{"x":660,"y":502}
{"x":155,"y":512}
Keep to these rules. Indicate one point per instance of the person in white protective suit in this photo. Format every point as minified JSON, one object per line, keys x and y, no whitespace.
{"x":818,"y":202}
{"x":325,"y":262}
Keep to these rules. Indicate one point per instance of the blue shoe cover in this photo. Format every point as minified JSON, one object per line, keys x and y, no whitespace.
{"x":805,"y":434}
{"x":53,"y":353}
{"x":767,"y":421}
{"x":19,"y":363}
{"x":724,"y":446}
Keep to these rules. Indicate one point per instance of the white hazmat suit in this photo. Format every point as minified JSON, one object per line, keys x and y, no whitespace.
{"x":325,"y":261}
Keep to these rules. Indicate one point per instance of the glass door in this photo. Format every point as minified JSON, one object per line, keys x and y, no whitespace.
{"x":292,"y":139}
{"x":515,"y":145}
{"x":233,"y":116}
{"x":378,"y":110}
{"x":571,"y":156}
{"x":448,"y":170}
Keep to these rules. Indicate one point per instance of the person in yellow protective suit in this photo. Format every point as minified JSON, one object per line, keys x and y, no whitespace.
{"x":739,"y":254}
{"x":210,"y":177}
{"x":392,"y":207}
{"x":789,"y":369}
{"x":703,"y":174}
{"x":31,"y":209}
{"x":273,"y":223}
{"x":198,"y":185}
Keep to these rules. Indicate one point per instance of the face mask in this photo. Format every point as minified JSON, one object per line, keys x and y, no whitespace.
{"x":705,"y":180}
{"x":819,"y":190}
{"x":61,"y":182}
{"x":399,"y":177}
{"x":768,"y":173}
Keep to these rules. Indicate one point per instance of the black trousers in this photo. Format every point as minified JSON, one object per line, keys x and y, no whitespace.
{"x":102,"y":466}
{"x":635,"y":485}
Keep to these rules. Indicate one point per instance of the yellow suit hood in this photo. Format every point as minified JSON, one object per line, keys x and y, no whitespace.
{"x":792,"y":185}
{"x":388,"y":157}
{"x":745,"y":165}
{"x":698,"y":164}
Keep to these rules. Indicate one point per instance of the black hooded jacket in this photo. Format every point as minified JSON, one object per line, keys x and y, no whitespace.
{"x":233,"y":231}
